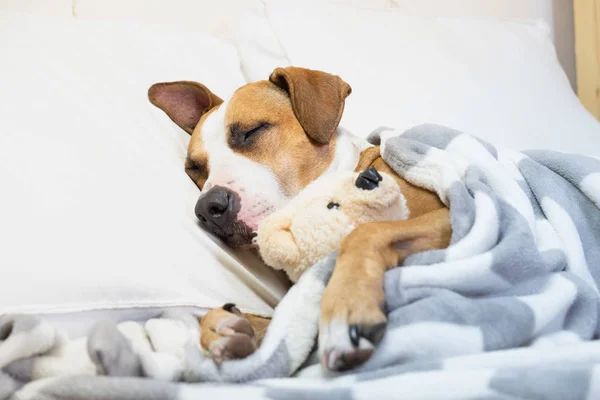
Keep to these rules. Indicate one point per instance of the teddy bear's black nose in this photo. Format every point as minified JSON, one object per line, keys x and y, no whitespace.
{"x":368,"y":179}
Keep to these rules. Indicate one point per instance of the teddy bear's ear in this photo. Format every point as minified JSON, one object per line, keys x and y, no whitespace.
{"x":276,"y":243}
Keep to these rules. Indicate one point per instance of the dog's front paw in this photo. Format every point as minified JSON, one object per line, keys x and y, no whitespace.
{"x":227,"y":335}
{"x":233,"y":347}
{"x":351,"y":326}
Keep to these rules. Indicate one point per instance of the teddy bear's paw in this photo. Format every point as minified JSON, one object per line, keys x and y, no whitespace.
{"x":227,"y":335}
{"x":346,"y":342}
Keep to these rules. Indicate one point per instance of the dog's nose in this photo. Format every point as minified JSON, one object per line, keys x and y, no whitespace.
{"x":215,"y":206}
{"x":368,"y":179}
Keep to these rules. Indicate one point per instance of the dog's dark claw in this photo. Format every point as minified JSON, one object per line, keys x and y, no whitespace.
{"x":232,"y":308}
{"x":354,"y":337}
{"x":373,"y":333}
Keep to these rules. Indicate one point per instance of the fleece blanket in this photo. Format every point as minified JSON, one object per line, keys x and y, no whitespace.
{"x":509,"y":311}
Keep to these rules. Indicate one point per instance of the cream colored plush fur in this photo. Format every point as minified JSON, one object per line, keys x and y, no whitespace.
{"x":311,"y":226}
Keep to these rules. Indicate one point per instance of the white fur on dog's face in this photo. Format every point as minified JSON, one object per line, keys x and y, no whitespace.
{"x":257,"y":187}
{"x":265,"y":172}
{"x":262,"y":146}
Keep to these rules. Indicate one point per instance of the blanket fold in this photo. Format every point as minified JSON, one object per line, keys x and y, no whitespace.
{"x":510,"y":310}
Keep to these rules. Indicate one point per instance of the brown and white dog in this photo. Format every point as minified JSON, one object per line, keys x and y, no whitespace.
{"x":256,"y":150}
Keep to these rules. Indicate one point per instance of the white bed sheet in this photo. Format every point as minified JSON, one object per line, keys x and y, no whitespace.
{"x":79,"y":324}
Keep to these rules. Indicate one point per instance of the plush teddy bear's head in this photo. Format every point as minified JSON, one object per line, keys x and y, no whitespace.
{"x":314,"y":223}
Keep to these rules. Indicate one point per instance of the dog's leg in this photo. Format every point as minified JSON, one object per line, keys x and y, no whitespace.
{"x":227,"y":334}
{"x":352,"y":307}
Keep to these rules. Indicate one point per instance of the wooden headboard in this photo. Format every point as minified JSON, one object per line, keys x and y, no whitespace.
{"x":587,"y":53}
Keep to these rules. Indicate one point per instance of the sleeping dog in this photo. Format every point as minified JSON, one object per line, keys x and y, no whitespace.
{"x":252,"y":153}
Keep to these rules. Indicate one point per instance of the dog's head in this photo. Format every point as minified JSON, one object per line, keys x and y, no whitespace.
{"x":254,"y":151}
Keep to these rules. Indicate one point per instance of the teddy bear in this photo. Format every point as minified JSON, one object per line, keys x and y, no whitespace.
{"x":314,"y":223}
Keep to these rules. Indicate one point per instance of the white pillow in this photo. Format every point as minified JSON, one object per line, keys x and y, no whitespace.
{"x":459,"y":8}
{"x":96,"y":211}
{"x":208,"y":16}
{"x":217,"y":18}
{"x":495,"y":78}
{"x":57,"y":8}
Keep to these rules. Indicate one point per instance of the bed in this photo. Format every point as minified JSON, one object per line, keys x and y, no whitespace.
{"x":96,"y":213}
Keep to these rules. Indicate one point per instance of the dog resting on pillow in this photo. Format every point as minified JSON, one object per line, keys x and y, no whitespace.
{"x":315,"y":222}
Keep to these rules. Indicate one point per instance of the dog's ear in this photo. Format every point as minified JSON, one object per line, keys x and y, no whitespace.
{"x":317,"y":99}
{"x":184,"y":102}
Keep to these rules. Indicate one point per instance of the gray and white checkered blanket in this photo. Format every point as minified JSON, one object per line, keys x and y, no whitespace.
{"x":509,"y":311}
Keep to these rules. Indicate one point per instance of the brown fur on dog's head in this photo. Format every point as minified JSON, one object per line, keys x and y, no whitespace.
{"x":266,"y":142}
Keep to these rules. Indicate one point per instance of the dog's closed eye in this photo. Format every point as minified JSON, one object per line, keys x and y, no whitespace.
{"x":193,"y":166}
{"x":333,"y":205}
{"x":254,"y":130}
{"x":240,"y":136}
{"x":198,"y":172}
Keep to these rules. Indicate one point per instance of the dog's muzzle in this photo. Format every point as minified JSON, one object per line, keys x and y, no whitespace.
{"x":215,"y":206}
{"x":217,"y":211}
